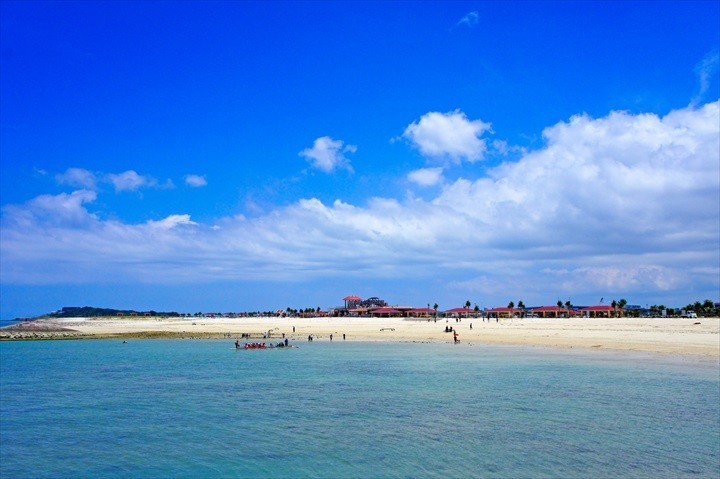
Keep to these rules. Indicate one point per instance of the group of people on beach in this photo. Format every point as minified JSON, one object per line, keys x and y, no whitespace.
{"x":456,"y":336}
{"x":310,"y":337}
{"x":281,"y":344}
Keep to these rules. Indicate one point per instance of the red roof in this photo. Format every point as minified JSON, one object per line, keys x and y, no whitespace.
{"x":352,"y":298}
{"x":602,"y":307}
{"x":549,"y":308}
{"x":460,"y":310}
{"x":384,"y":310}
{"x":421,"y":310}
{"x":504,"y":310}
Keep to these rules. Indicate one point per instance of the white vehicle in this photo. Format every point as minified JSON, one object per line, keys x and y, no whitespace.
{"x":689,"y":314}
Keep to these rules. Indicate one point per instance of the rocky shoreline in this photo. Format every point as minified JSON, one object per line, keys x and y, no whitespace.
{"x":41,"y":330}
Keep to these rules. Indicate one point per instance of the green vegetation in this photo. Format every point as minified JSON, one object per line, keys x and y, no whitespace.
{"x":706,"y":308}
{"x":89,"y":312}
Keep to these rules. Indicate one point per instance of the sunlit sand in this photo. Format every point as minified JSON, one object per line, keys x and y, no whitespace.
{"x":676,"y":336}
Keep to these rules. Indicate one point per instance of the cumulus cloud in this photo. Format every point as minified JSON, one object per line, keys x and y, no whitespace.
{"x":63,"y":209}
{"x":195,"y":181}
{"x":621,"y":204}
{"x":448,"y":136}
{"x":328,"y":154}
{"x":426,"y":176}
{"x":469,"y":20}
{"x":77,"y":178}
{"x":130,"y":181}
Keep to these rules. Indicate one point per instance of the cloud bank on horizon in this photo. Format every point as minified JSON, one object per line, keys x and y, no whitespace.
{"x":624,"y":203}
{"x":437,"y":152}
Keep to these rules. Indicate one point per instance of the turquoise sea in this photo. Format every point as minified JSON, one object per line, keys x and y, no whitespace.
{"x":198,"y":408}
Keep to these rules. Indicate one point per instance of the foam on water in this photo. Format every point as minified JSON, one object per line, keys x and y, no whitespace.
{"x":343,"y":409}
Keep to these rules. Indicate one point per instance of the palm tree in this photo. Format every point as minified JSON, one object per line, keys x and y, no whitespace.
{"x":614,"y":306}
{"x":621,"y":304}
{"x":559,"y":304}
{"x":435,"y":307}
{"x":467,"y":304}
{"x":511,"y":305}
{"x":708,"y":308}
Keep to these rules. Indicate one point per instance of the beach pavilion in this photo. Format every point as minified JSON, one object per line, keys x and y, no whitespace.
{"x":351,"y":301}
{"x":461,"y":312}
{"x":385,"y":312}
{"x":551,"y":312}
{"x":601,"y":311}
{"x":504,"y":312}
{"x":420,"y":312}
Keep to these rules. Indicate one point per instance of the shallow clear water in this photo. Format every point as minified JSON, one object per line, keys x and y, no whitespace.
{"x":173,"y":408}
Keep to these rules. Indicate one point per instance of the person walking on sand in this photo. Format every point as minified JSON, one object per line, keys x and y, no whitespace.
{"x":455,"y":337}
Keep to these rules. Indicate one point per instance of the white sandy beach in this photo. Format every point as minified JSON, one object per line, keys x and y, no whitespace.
{"x":670,"y":335}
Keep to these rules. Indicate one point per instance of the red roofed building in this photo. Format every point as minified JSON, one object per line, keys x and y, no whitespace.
{"x":460,"y":312}
{"x":385,"y":312}
{"x":504,"y":312}
{"x":424,"y":312}
{"x":551,"y":312}
{"x":351,"y":301}
{"x":601,"y":311}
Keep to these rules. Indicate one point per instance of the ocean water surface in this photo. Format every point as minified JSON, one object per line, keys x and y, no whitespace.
{"x":199,"y":408}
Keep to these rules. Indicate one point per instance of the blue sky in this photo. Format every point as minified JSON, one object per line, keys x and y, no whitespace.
{"x":228,"y":156}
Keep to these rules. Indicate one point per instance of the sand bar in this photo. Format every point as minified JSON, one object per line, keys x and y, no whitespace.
{"x":698,"y":337}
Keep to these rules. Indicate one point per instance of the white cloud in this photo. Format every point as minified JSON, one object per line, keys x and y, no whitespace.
{"x":171,"y":222}
{"x":130,"y":181}
{"x":126,"y":181}
{"x":620,"y":205}
{"x":469,"y":20}
{"x":448,"y":136}
{"x":502,"y":148}
{"x":327,"y":154}
{"x":426,"y":176}
{"x":78,"y":178}
{"x":63,"y":209}
{"x":196,"y":181}
{"x":704,"y":71}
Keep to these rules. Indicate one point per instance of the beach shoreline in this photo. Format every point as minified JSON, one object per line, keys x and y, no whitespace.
{"x":694,"y":337}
